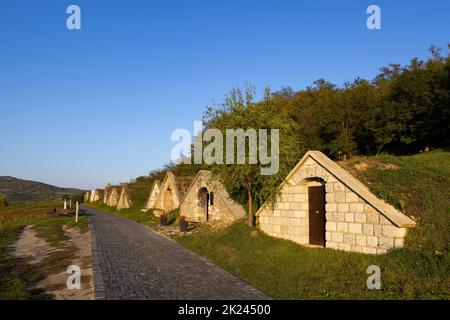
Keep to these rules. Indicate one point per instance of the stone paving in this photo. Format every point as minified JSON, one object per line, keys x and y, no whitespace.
{"x":131,"y":261}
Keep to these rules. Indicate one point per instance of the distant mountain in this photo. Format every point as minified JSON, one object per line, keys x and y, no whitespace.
{"x":18,"y":190}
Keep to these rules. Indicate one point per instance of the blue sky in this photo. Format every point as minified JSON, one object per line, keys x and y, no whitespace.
{"x":85,"y":107}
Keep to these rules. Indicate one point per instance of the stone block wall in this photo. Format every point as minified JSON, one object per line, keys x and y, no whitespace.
{"x":288,"y":219}
{"x":191,"y":209}
{"x":223,"y":210}
{"x":153,"y":197}
{"x":352,"y":224}
{"x":113,"y":197}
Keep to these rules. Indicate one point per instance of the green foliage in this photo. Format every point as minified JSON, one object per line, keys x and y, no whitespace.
{"x":420,"y":187}
{"x":77,"y":198}
{"x":3,"y":202}
{"x":239,"y":111}
{"x":172,"y":215}
{"x":404,"y":109}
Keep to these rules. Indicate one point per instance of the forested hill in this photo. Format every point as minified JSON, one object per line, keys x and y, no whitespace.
{"x":17,"y":190}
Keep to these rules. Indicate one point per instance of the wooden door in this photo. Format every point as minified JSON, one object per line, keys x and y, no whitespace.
{"x":203,"y":202}
{"x":168,"y":199}
{"x":316,"y":196}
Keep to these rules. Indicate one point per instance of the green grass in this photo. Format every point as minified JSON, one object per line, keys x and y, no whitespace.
{"x":139,"y":192}
{"x":419,"y":186}
{"x":289,"y":271}
{"x":146,"y":218}
{"x":17,"y":276}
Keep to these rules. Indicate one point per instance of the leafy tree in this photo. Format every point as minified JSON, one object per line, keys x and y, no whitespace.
{"x":239,"y":111}
{"x":420,"y":96}
{"x":77,"y":198}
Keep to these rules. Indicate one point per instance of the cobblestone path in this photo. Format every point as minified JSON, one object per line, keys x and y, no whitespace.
{"x":130,"y":261}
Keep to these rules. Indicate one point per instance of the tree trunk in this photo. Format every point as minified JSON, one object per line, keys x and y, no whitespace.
{"x":249,"y":187}
{"x":379,"y":149}
{"x":250,"y":208}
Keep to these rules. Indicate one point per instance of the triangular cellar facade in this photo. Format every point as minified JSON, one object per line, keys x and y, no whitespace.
{"x":153,"y":195}
{"x":96,"y":195}
{"x":125,"y":201}
{"x":320,"y":204}
{"x":172,"y":191}
{"x":207,"y":200}
{"x":112,"y":196}
{"x":106,"y":192}
{"x":87,"y":196}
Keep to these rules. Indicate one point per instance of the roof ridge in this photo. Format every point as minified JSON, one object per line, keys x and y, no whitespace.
{"x":387,"y":210}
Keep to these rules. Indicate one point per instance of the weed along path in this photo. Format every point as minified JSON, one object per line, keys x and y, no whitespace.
{"x":130,"y":261}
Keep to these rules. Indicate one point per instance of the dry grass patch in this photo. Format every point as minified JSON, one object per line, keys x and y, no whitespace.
{"x":35,"y":246}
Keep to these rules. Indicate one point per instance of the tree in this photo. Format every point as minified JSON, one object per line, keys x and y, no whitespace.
{"x":420,"y":95}
{"x":78,"y":198}
{"x":239,"y":111}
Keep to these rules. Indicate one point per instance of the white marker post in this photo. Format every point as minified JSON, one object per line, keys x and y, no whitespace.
{"x":76,"y":212}
{"x":65,"y":204}
{"x":70,"y":203}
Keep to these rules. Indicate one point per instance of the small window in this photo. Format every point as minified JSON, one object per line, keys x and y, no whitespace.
{"x":211,"y":198}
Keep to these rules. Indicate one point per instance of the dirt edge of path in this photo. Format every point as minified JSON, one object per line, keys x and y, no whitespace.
{"x":37,"y":251}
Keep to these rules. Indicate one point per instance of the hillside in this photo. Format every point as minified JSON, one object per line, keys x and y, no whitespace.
{"x":18,"y":190}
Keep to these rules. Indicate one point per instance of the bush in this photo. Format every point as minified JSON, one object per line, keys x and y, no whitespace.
{"x":3,"y":202}
{"x":172,"y":216}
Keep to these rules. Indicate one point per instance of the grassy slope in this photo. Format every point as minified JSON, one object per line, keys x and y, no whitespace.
{"x":420,"y":187}
{"x":16,"y":275}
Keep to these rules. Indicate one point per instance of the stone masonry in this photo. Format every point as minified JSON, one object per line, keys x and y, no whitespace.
{"x":112,"y":198}
{"x":153,"y":195}
{"x":355,"y":219}
{"x":208,"y":201}
{"x":125,"y":201}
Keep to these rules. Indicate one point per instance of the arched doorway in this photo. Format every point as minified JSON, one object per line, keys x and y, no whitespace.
{"x":317,"y":220}
{"x":168,"y":200}
{"x":203,"y":202}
